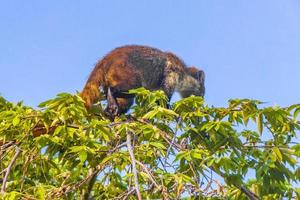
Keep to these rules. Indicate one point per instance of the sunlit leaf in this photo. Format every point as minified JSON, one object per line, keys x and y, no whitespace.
{"x":260,"y":123}
{"x":278,"y":153}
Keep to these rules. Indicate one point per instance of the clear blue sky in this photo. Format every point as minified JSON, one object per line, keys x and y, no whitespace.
{"x":248,"y":49}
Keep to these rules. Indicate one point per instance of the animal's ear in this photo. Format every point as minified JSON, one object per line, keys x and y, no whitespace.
{"x":196,"y":73}
{"x":201,"y":76}
{"x":193,"y":71}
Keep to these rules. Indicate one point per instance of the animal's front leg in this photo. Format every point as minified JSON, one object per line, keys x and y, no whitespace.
{"x":168,"y":85}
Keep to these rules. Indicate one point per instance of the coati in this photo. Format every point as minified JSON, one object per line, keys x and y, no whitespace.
{"x":135,"y":66}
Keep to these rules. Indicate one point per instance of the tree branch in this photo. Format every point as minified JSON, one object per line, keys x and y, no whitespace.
{"x":151,"y":177}
{"x":8,"y":169}
{"x":125,"y":195}
{"x":248,"y":193}
{"x":133,"y":162}
{"x":90,"y":185}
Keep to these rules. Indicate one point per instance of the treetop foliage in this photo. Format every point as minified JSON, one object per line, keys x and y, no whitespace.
{"x":190,"y":150}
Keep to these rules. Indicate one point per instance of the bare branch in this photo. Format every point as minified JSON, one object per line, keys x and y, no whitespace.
{"x":162,"y":133}
{"x":166,"y":137}
{"x":125,"y":195}
{"x":151,"y":177}
{"x":6,"y":145}
{"x":64,"y":189}
{"x":8,"y":169}
{"x":247,"y":192}
{"x":133,"y":161}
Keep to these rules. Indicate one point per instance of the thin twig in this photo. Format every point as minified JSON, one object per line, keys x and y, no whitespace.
{"x":114,"y":149}
{"x":173,"y":139}
{"x":65,"y":189}
{"x":3,"y":171}
{"x":162,"y":133}
{"x":151,"y":177}
{"x":125,"y":195}
{"x":248,"y":193}
{"x":196,"y":176}
{"x":207,"y":186}
{"x":164,"y":190}
{"x":6,"y":145}
{"x":133,"y":161}
{"x":18,"y":151}
{"x":128,"y":194}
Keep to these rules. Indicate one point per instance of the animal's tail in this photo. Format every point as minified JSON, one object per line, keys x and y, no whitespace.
{"x":91,"y":91}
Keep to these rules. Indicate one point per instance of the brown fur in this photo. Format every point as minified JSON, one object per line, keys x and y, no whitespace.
{"x":134,"y":66}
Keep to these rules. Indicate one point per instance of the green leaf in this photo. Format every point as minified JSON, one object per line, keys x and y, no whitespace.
{"x":83,"y":156}
{"x":296,"y":112}
{"x":108,"y":158}
{"x":196,"y":154}
{"x":158,"y":145}
{"x":182,"y":154}
{"x":16,"y":121}
{"x":58,"y":130}
{"x":105,"y":137}
{"x":41,"y":192}
{"x":75,"y":149}
{"x":277,"y":153}
{"x":260,"y":123}
{"x":151,"y":114}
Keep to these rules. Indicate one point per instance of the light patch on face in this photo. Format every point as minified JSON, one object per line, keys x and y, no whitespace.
{"x":190,"y":86}
{"x":168,"y":63}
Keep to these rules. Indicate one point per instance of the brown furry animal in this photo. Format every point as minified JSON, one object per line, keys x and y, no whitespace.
{"x":134,"y":66}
